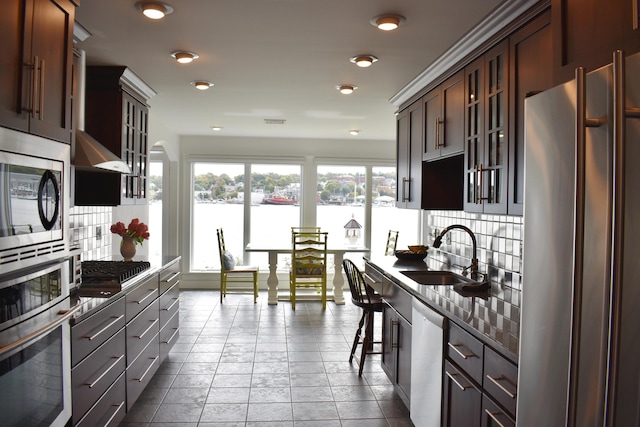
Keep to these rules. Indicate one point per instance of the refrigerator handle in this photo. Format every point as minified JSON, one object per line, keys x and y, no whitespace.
{"x":582,"y":123}
{"x":620,"y":113}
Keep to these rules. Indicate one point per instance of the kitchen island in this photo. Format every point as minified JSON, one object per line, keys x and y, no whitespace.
{"x":119,"y":338}
{"x":476,"y":350}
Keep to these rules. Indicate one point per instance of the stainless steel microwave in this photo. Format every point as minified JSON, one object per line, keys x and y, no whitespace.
{"x":34,"y":175}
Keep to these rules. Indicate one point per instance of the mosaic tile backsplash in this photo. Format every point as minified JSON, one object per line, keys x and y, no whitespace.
{"x":90,"y":230}
{"x":499,"y":244}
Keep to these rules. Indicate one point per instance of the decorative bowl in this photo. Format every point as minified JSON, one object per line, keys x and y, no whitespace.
{"x":419,"y":249}
{"x":407,"y":255}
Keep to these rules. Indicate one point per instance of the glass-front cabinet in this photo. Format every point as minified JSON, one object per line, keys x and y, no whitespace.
{"x":486,"y":121}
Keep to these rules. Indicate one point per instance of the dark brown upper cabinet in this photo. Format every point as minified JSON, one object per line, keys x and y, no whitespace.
{"x":586,"y":32}
{"x":409,"y":157}
{"x":36,"y":71}
{"x":444,"y":119}
{"x":531,"y":71}
{"x":486,"y":132}
{"x":117,"y":116}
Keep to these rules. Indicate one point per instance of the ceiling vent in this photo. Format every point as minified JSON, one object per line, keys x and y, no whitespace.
{"x":274,"y":121}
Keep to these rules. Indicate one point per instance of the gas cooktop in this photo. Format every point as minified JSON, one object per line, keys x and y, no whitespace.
{"x":110,"y":274}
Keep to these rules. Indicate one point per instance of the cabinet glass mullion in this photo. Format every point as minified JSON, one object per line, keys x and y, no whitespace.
{"x":495,"y":129}
{"x":473,"y":134}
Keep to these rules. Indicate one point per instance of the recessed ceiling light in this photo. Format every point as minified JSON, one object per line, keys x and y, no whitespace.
{"x":387,"y":22}
{"x":363,"y":60}
{"x":154,"y":9}
{"x":354,"y":132}
{"x":346,"y":89}
{"x":202,"y":85}
{"x":216,"y":128}
{"x":184,"y":57}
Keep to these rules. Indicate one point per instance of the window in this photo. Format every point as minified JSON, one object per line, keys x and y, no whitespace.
{"x":216,"y":204}
{"x":275,"y":206}
{"x":384,"y":215}
{"x":341,"y":197}
{"x":155,"y":209}
{"x":277,"y":203}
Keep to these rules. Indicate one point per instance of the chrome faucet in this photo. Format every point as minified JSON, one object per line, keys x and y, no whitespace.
{"x":474,"y":261}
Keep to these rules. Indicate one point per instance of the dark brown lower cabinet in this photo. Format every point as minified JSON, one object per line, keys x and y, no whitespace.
{"x":462,"y":399}
{"x":493,"y":415}
{"x":396,"y":356}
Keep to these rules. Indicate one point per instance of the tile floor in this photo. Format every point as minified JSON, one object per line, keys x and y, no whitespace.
{"x":245,"y":364}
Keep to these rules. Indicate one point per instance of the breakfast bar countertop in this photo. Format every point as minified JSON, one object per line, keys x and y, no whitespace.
{"x":493,"y":316}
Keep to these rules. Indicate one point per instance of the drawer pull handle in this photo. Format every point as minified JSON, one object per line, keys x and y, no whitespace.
{"x":94,"y":336}
{"x":455,"y":381}
{"x":171,"y":337}
{"x":492,"y":415}
{"x":146,"y":330}
{"x":370,"y":280}
{"x":463,"y":355}
{"x":153,"y":361}
{"x":170,"y":279}
{"x":497,"y":380}
{"x":394,"y":333}
{"x":171,"y":306}
{"x":106,"y":371}
{"x":151,"y":293}
{"x":118,"y":407}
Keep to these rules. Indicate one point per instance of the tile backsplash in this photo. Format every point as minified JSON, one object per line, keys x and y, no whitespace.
{"x":90,"y":230}
{"x":499,"y":244}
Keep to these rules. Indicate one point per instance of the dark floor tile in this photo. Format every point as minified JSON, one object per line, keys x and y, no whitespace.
{"x":231,"y":380}
{"x":192,"y":380}
{"x":348,"y":393}
{"x":269,"y":412}
{"x":178,"y":413}
{"x":311,"y":394}
{"x":198,"y":368}
{"x":359,"y":410}
{"x":270,"y":395}
{"x":309,"y":380}
{"x":315,"y":411}
{"x":216,"y":412}
{"x":186,"y":395}
{"x":228,"y":395}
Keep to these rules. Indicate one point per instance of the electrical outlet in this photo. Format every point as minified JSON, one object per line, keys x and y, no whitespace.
{"x":99,"y":232}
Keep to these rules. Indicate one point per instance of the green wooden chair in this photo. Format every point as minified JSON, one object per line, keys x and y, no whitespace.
{"x":234,"y":279}
{"x":308,"y":264}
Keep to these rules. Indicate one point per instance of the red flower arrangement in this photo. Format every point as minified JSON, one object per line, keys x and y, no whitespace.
{"x":137,"y":230}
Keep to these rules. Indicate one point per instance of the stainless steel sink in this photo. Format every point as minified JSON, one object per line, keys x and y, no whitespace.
{"x":435,"y":277}
{"x":438,"y":278}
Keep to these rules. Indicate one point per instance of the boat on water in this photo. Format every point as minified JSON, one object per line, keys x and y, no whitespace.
{"x":278,"y":200}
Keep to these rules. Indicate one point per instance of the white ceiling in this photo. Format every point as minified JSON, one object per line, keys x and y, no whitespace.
{"x":276,"y":59}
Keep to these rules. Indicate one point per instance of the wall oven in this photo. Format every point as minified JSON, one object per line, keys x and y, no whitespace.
{"x":34,"y":199}
{"x":35,"y":359}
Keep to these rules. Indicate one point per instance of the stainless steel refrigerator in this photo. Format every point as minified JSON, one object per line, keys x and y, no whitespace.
{"x":580,"y":320}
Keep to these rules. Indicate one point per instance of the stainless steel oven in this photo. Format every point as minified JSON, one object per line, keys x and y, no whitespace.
{"x":34,"y":176}
{"x":35,"y":359}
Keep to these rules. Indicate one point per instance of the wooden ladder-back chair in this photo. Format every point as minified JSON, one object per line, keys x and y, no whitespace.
{"x":243,"y":279}
{"x":363,"y":296}
{"x":308,"y":263}
{"x":392,"y":241}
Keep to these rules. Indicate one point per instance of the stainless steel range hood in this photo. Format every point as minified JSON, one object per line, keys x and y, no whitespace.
{"x":88,"y":152}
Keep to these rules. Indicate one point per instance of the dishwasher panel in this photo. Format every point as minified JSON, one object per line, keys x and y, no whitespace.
{"x":427,"y":346}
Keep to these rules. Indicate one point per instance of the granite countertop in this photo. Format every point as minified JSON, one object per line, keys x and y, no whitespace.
{"x":90,"y":303}
{"x":492,"y":316}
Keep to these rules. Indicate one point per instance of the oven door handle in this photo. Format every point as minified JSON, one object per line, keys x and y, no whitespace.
{"x":35,"y":335}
